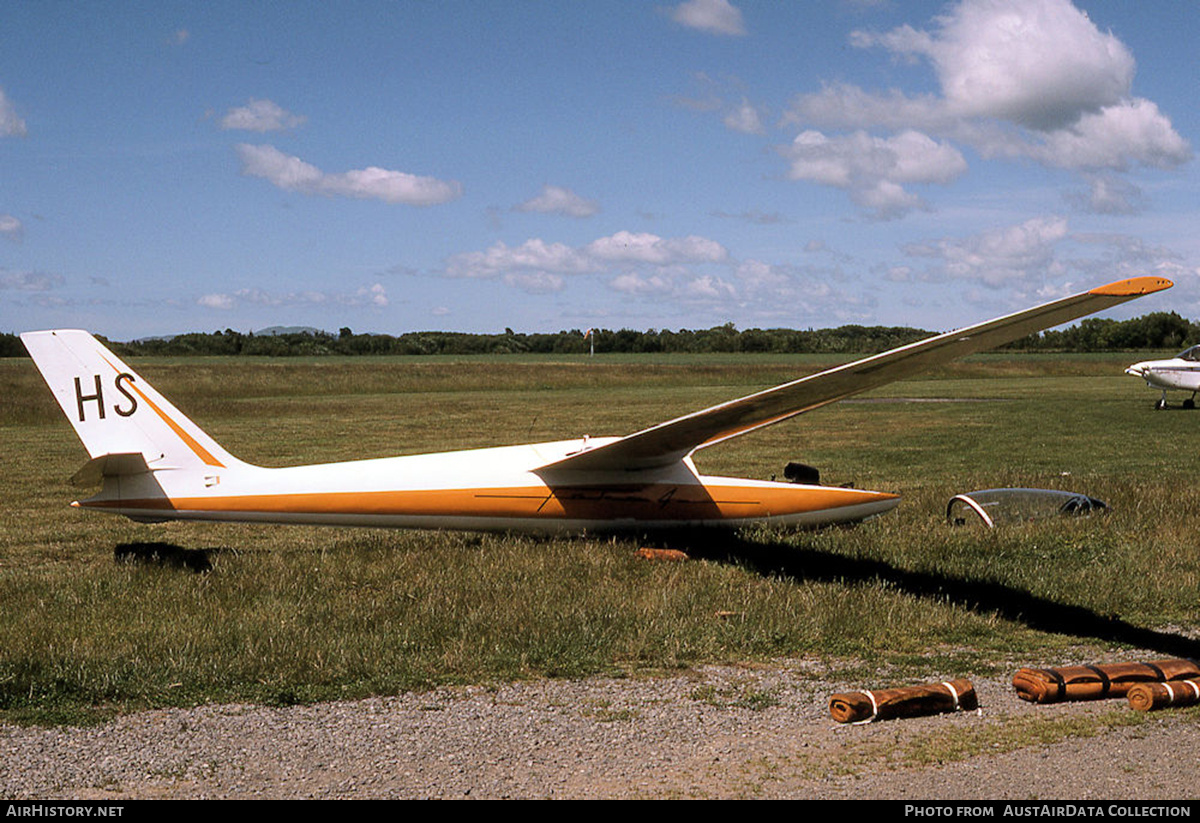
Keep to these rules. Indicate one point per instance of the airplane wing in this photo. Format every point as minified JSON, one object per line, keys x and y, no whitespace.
{"x":669,"y":442}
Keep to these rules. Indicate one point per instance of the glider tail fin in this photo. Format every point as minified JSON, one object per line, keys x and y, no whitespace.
{"x":116,"y":413}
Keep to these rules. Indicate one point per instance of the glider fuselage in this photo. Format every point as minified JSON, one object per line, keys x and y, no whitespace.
{"x":494,"y":489}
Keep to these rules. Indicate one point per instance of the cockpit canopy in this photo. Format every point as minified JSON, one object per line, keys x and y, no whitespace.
{"x":996,"y":506}
{"x":1192,"y":354}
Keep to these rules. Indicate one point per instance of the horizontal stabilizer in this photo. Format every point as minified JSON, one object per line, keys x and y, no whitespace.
{"x":109,"y":465}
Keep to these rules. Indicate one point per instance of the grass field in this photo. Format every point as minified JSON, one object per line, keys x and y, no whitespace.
{"x":292,"y":614}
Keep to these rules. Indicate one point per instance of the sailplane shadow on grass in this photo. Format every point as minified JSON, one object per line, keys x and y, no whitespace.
{"x":980,"y":596}
{"x":164,"y":555}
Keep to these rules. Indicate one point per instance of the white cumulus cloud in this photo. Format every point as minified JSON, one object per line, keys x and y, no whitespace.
{"x":293,"y":174}
{"x":643,"y":247}
{"x":635,"y":262}
{"x":1000,"y":257}
{"x":559,"y":200}
{"x":33,"y":281}
{"x":1115,"y":137}
{"x":745,"y":118}
{"x":534,"y":282}
{"x":711,"y":16}
{"x":1108,"y":194}
{"x":373,"y":295}
{"x":1019,"y":79}
{"x":261,"y":116}
{"x":216,"y":301}
{"x":1039,"y":63}
{"x":874,"y":170}
{"x":634,"y":283}
{"x":11,"y":124}
{"x":708,"y":287}
{"x":11,"y":227}
{"x":534,"y":255}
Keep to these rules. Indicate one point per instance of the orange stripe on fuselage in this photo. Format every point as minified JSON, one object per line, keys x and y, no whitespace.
{"x":654,"y":502}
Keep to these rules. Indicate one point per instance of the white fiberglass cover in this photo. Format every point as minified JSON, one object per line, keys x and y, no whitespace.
{"x":995,"y":506}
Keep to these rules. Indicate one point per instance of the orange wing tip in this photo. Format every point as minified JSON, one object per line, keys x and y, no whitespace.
{"x":1133,"y":286}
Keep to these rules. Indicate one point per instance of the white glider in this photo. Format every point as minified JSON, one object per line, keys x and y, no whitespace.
{"x":154,"y":464}
{"x":1181,"y":372}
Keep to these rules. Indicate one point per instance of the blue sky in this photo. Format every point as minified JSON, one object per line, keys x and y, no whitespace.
{"x":169,"y":167}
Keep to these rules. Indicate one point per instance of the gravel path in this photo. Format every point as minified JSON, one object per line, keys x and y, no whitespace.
{"x":727,"y":732}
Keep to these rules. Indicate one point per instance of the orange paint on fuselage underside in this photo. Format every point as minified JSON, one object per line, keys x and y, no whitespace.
{"x":647,"y":503}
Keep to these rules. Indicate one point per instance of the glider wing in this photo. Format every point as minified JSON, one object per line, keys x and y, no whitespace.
{"x":675,"y":439}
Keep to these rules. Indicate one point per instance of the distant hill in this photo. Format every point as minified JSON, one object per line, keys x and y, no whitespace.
{"x":269,"y":331}
{"x":272,"y":331}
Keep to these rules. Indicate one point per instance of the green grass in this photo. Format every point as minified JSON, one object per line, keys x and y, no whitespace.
{"x":290,"y":614}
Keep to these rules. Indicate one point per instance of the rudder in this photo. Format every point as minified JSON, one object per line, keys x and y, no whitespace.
{"x":113,"y":410}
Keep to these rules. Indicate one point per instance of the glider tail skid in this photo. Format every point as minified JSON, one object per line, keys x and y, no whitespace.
{"x":127,"y":427}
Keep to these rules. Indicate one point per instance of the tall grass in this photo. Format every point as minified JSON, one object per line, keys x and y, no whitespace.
{"x":293,"y":614}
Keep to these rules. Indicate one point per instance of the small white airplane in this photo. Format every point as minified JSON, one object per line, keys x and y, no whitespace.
{"x":154,"y":464}
{"x":1180,"y":372}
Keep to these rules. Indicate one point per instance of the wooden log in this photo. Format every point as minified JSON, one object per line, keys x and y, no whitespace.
{"x":907,"y":701}
{"x":1097,"y":682}
{"x":1146,"y":697}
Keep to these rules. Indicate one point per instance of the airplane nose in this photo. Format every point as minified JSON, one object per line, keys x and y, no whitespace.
{"x":1137,"y":370}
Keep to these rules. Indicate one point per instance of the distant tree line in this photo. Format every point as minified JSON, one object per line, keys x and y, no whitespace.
{"x":1160,"y":330}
